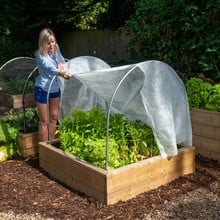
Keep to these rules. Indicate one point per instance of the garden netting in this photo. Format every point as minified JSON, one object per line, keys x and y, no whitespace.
{"x":149,"y":91}
{"x":18,"y":68}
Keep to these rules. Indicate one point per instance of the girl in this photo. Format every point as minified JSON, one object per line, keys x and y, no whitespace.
{"x":50,"y":63}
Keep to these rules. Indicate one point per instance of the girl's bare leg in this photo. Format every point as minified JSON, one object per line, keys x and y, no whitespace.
{"x":43,"y":122}
{"x":54,"y":111}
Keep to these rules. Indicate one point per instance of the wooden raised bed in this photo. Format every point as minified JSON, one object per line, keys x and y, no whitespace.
{"x":206,"y":132}
{"x":16,"y":101}
{"x":112,"y":186}
{"x":28,"y":144}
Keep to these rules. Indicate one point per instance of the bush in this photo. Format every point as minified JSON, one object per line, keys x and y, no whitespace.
{"x":184,"y":34}
{"x":15,"y":87}
{"x":11,"y":48}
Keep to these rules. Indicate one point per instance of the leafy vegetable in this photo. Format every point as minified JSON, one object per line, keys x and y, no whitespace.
{"x":198,"y":92}
{"x":213,"y":102}
{"x":84,"y":134}
{"x":8,"y":147}
{"x":15,"y":87}
{"x":203,"y":94}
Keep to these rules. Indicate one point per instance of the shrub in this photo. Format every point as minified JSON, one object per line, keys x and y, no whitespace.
{"x":11,"y":48}
{"x":184,"y":34}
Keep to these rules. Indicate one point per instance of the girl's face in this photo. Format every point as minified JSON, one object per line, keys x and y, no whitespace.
{"x":51,"y":46}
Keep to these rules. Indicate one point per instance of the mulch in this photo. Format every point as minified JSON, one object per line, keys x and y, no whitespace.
{"x":25,"y":189}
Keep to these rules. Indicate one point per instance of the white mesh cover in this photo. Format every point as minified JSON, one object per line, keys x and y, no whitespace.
{"x":149,"y":91}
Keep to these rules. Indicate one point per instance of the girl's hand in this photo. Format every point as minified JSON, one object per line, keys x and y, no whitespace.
{"x":62,"y":72}
{"x":67,"y":75}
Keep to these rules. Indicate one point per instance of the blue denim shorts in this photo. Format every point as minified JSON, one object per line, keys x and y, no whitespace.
{"x":41,"y":96}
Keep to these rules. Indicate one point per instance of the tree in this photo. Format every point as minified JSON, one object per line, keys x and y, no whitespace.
{"x":82,"y":14}
{"x":118,"y":12}
{"x":23,"y":19}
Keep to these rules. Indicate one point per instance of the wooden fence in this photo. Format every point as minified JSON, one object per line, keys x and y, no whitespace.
{"x":107,"y":45}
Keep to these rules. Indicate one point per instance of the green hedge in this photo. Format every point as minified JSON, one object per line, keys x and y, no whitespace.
{"x":11,"y":48}
{"x":184,"y":34}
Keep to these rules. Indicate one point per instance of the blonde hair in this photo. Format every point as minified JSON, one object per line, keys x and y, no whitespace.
{"x":44,"y":38}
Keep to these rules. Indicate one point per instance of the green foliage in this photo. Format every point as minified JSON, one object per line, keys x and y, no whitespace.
{"x":10,"y":126}
{"x":11,"y":48}
{"x":8,"y":152}
{"x":214,"y":99}
{"x":184,"y":34}
{"x":84,"y":13}
{"x":95,"y":14}
{"x":15,"y":87}
{"x":16,"y":119}
{"x":198,"y":92}
{"x":203,"y":94}
{"x":8,"y":134}
{"x":117,"y":13}
{"x":24,"y":19}
{"x":84,"y":134}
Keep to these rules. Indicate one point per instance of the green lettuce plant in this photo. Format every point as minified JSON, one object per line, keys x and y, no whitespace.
{"x":83,"y":134}
{"x":202,"y":94}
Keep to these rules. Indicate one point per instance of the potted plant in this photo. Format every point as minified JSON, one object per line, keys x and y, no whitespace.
{"x":21,"y":130}
{"x":27,"y":138}
{"x":11,"y":92}
{"x":128,"y":165}
{"x":204,"y":101}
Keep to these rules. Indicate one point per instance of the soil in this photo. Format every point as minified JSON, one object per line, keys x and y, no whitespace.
{"x":27,"y":192}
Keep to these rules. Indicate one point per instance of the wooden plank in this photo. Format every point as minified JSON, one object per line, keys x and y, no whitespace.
{"x":75,"y":173}
{"x":16,"y":101}
{"x":206,"y":131}
{"x":118,"y":184}
{"x":28,"y":152}
{"x":144,"y":170}
{"x":78,"y":184}
{"x":207,"y":147}
{"x":206,"y":143}
{"x":149,"y":174}
{"x":28,"y":144}
{"x":201,"y":116}
{"x":208,"y":153}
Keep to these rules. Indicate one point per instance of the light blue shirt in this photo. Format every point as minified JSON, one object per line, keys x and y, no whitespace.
{"x":47,"y":69}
